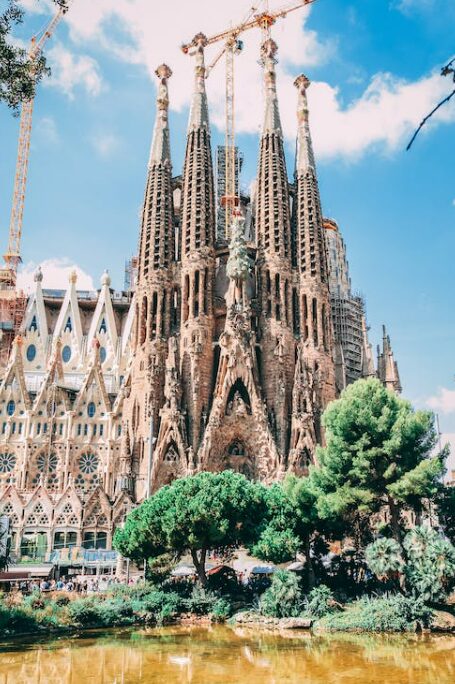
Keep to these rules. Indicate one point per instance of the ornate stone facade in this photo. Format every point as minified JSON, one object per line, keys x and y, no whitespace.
{"x":224,"y":357}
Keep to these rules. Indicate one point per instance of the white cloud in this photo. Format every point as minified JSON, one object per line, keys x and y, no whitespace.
{"x":406,"y":6}
{"x":47,"y":129}
{"x":105,"y":144}
{"x":56,"y":274}
{"x":147,"y":33}
{"x":443,"y":401}
{"x":70,"y":71}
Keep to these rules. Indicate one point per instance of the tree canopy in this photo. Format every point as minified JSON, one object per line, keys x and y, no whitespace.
{"x":194,"y":514}
{"x":18,"y":75}
{"x":378,"y":455}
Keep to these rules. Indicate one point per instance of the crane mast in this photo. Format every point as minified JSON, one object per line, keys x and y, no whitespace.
{"x":8,"y":275}
{"x":232,"y":45}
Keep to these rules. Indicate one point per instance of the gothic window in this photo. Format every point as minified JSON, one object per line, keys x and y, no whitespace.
{"x":103,"y":326}
{"x":31,"y":352}
{"x":88,"y":463}
{"x":7,"y":462}
{"x":171,"y":455}
{"x":11,"y":407}
{"x":68,"y":326}
{"x":33,"y":324}
{"x":47,"y":462}
{"x":66,"y":354}
{"x":103,"y":354}
{"x":91,"y":409}
{"x":315,"y":321}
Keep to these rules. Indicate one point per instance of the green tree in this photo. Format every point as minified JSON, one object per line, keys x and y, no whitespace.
{"x":18,"y":75}
{"x":377,"y":456}
{"x":291,"y":524}
{"x":194,"y":514}
{"x":445,"y":503}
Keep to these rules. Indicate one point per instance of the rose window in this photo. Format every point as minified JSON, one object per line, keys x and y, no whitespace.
{"x":7,"y":463}
{"x":88,"y":463}
{"x":51,"y":462}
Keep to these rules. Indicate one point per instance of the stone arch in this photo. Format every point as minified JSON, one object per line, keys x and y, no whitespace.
{"x":9,"y":466}
{"x":238,"y":395}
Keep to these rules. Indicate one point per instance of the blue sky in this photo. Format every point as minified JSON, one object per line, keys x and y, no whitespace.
{"x":374,"y":65}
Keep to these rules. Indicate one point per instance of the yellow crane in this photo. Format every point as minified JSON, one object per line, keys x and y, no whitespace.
{"x":8,"y":274}
{"x":232,"y":45}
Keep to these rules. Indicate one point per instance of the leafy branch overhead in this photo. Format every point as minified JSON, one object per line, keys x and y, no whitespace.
{"x":19,"y":74}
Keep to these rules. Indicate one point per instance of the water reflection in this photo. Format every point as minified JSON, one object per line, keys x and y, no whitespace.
{"x":186,"y":655}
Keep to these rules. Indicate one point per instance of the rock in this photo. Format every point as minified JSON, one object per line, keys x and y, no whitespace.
{"x":250,"y":619}
{"x":443,"y":621}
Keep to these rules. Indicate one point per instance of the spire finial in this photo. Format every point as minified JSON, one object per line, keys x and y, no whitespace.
{"x":160,"y":151}
{"x":272,"y":122}
{"x":73,"y":277}
{"x":305,"y":155}
{"x":38,"y":277}
{"x":199,"y":114}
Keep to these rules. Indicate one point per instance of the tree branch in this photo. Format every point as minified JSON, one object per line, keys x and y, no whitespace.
{"x":445,"y":71}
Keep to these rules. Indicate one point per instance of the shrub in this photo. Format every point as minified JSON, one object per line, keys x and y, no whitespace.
{"x":284,"y":596}
{"x":113,"y":611}
{"x":14,"y":620}
{"x":62,"y":600}
{"x":201,"y":601}
{"x":319,"y":601}
{"x":83,"y":612}
{"x":430,"y":570}
{"x":389,"y":613}
{"x":384,"y":558}
{"x":222,"y":609}
{"x":35,"y":601}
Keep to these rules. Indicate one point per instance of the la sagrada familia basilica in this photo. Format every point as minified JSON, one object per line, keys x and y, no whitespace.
{"x":224,"y":355}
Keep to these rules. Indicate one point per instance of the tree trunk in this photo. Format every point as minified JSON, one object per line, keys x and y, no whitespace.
{"x":199,"y":564}
{"x":309,"y":564}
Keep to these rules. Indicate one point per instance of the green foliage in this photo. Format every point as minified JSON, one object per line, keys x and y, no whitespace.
{"x":18,"y":76}
{"x":393,"y":613}
{"x":430,"y":567}
{"x":319,"y":602}
{"x":83,"y":612}
{"x":384,"y":558}
{"x":221,"y":610}
{"x":201,"y":601}
{"x":377,"y":453}
{"x":284,"y":596}
{"x":15,"y":619}
{"x":207,"y":510}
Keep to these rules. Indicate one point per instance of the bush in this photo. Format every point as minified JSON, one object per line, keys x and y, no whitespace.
{"x":430,"y":568}
{"x":284,"y":596}
{"x":384,"y":558}
{"x":319,"y":601}
{"x":390,"y":613}
{"x":201,"y":601}
{"x":114,"y":611}
{"x":222,"y":610}
{"x":83,"y":612}
{"x":14,"y":620}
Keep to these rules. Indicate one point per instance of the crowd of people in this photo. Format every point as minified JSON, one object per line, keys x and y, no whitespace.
{"x":81,"y":584}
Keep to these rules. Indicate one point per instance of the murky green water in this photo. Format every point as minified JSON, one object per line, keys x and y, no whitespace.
{"x":209,"y":655}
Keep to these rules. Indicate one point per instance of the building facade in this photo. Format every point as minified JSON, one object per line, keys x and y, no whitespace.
{"x":224,"y":356}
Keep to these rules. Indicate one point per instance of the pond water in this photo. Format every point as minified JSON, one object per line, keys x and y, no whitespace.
{"x":221,"y":655}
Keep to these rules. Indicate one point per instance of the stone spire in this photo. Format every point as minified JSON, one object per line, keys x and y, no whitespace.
{"x":314,"y":299}
{"x":272,"y":213}
{"x":199,"y":112}
{"x":387,"y":366}
{"x":157,"y":238}
{"x":311,"y":251}
{"x":198,"y":257}
{"x":198,"y":205}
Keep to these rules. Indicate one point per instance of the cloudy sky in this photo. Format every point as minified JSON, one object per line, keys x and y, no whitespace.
{"x":374,"y":67}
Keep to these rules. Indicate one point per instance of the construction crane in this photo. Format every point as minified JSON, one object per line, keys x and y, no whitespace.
{"x":12,"y":301}
{"x":8,"y":275}
{"x":232,"y":46}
